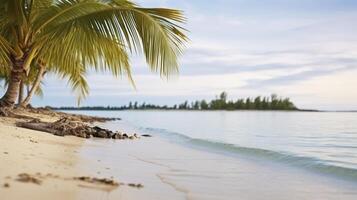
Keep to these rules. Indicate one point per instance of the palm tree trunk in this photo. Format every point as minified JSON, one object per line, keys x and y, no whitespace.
{"x":35,"y":85}
{"x":21,"y":92}
{"x":27,"y":89}
{"x":10,"y":96}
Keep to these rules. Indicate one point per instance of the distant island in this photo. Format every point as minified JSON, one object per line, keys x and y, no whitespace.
{"x":219,"y":103}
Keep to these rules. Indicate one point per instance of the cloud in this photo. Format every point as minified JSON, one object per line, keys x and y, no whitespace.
{"x":293,"y":78}
{"x":246,"y":48}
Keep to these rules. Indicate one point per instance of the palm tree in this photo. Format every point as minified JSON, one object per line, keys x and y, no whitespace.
{"x":67,"y":35}
{"x":32,"y":82}
{"x":29,"y":82}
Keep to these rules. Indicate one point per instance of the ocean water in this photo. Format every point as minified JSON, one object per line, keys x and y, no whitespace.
{"x":323,"y":142}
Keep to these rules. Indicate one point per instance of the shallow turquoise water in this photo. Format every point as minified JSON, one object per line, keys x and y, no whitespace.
{"x":325,"y":142}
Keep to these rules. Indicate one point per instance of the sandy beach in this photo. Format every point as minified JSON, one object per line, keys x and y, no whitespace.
{"x":55,"y":161}
{"x":38,"y":165}
{"x":162,"y":169}
{"x":26,"y":151}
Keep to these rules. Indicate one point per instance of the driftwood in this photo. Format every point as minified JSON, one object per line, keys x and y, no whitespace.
{"x":68,"y":126}
{"x":38,"y":127}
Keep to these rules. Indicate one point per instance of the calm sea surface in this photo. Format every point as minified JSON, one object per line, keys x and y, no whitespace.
{"x":324,"y":142}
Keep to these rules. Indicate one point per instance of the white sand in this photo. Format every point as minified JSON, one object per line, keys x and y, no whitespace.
{"x":167,"y":171}
{"x":171,"y":171}
{"x":26,"y":151}
{"x":33,"y":152}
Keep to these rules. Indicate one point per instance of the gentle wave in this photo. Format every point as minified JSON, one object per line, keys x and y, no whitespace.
{"x":318,"y":165}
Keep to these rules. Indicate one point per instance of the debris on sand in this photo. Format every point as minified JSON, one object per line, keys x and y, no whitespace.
{"x":33,"y":141}
{"x":135,"y":185}
{"x":27,"y":178}
{"x":70,"y":126}
{"x":104,"y":181}
{"x":6,"y":185}
{"x":67,"y":124}
{"x":146,"y":135}
{"x":107,"y":184}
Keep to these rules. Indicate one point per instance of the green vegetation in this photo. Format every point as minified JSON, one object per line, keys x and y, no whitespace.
{"x":220,"y":103}
{"x":71,"y":37}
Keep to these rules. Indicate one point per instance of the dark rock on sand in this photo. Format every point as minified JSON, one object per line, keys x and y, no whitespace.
{"x":146,"y":135}
{"x":135,"y":185}
{"x":111,"y":134}
{"x":82,"y":135}
{"x":97,"y":128}
{"x":6,"y":185}
{"x":101,"y":134}
{"x":117,"y":136}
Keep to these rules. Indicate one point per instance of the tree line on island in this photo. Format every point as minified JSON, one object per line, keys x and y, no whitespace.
{"x":219,"y":103}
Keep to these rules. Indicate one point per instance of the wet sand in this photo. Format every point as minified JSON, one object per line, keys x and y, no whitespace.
{"x":37,"y":165}
{"x":171,"y":171}
{"x":165,"y":170}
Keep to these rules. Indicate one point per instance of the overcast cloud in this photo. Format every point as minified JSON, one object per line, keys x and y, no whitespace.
{"x":304,"y":49}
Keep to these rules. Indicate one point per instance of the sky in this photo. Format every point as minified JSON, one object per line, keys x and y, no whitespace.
{"x":302,"y":49}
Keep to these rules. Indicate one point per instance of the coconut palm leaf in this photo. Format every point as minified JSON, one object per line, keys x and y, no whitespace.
{"x":151,"y":31}
{"x":76,"y":78}
{"x":73,"y":36}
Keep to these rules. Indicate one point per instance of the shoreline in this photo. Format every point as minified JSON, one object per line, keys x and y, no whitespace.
{"x":170,"y":170}
{"x":164,"y":169}
{"x":197,"y":110}
{"x":42,"y":165}
{"x":242,"y":110}
{"x":53,"y":167}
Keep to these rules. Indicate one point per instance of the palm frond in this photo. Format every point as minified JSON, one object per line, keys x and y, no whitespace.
{"x":39,"y":92}
{"x":75,"y":74}
{"x":5,"y":49}
{"x":74,"y":36}
{"x":36,"y":7}
{"x":152,"y":31}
